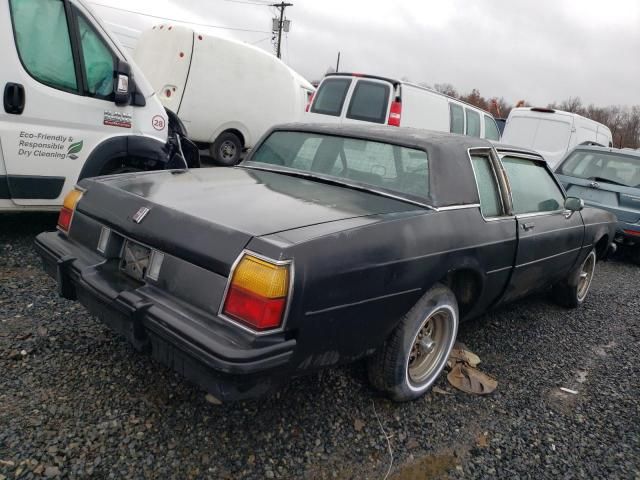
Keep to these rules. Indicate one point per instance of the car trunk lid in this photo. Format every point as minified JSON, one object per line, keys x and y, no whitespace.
{"x":207,"y":216}
{"x":621,"y":200}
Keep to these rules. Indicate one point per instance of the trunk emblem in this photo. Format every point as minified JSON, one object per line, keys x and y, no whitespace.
{"x":594,"y":185}
{"x":140,"y":214}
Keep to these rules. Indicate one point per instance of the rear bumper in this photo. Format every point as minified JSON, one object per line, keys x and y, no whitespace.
{"x":155,"y":323}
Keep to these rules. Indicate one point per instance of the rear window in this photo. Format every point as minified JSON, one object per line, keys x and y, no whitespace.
{"x":602,"y":167}
{"x":369,"y":102}
{"x":381,"y":165}
{"x":330,"y":96}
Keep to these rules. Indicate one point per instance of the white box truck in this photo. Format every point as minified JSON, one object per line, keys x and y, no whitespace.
{"x":551,"y":132}
{"x":359,"y":98}
{"x":227,"y":93}
{"x":74,"y":105}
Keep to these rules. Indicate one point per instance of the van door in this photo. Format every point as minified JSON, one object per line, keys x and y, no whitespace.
{"x":369,"y":102}
{"x":329,"y":100}
{"x":164,"y":54}
{"x":63,"y":71}
{"x":583,"y":131}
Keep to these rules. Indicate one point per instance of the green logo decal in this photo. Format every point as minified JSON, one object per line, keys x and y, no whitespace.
{"x":73,"y":149}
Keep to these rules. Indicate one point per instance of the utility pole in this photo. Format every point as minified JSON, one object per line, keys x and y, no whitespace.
{"x":338,"y":63}
{"x":280,"y":24}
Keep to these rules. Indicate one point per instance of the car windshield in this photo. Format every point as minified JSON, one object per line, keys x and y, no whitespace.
{"x":382,"y":166}
{"x":603,"y":167}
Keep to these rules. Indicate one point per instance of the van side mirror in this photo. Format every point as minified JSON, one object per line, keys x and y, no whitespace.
{"x":573,"y":204}
{"x":122,"y":85}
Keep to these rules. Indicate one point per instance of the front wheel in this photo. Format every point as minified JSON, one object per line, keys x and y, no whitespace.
{"x":226,"y":149}
{"x":572,"y":291}
{"x":416,"y":352}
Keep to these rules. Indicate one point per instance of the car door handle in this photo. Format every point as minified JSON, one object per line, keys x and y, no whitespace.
{"x":14,"y":98}
{"x":528,"y":226}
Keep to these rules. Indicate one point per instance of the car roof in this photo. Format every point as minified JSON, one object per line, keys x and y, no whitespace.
{"x":452,"y":181}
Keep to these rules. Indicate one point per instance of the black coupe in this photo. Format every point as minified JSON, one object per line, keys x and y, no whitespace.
{"x":326,"y":245}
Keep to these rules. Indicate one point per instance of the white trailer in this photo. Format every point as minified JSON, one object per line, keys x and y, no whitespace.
{"x":226,"y":92}
{"x":552,"y":132}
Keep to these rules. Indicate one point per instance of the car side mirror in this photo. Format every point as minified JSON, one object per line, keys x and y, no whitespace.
{"x":573,"y":204}
{"x":122,"y":85}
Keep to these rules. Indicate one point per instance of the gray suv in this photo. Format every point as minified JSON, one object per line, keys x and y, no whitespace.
{"x":607,"y":178}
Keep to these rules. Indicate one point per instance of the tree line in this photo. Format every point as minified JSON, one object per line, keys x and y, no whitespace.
{"x":623,"y":121}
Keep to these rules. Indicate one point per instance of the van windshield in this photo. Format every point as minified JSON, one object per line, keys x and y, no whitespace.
{"x":383,"y":166}
{"x":330,"y":96}
{"x":602,"y":167}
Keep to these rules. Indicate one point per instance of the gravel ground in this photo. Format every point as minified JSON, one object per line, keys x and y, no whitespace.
{"x":78,"y":401}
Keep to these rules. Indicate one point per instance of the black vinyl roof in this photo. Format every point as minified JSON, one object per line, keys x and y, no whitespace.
{"x":451,"y":177}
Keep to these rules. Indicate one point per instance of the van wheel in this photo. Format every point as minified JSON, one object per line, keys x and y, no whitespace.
{"x":226,"y":149}
{"x":572,"y":291}
{"x":417,"y":350}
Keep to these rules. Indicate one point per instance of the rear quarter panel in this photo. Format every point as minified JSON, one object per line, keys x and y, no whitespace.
{"x":353,"y":286}
{"x":600,"y":228}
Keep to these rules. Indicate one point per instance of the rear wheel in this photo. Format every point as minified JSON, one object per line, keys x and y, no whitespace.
{"x":635,"y":254}
{"x":416,"y":352}
{"x":572,"y":291}
{"x":226,"y":149}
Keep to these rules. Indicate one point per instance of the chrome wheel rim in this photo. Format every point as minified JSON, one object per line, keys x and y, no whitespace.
{"x":431,"y":347}
{"x":586,"y":275}
{"x":227,"y":150}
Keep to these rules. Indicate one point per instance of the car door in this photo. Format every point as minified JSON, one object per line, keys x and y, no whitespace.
{"x":64,"y":70}
{"x":549,"y":237}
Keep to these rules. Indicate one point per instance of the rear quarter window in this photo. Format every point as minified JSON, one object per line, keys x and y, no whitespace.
{"x":369,"y":102}
{"x":330,"y":96}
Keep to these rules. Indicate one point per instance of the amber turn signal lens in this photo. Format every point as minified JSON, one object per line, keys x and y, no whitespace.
{"x":257,"y":293}
{"x":68,"y":207}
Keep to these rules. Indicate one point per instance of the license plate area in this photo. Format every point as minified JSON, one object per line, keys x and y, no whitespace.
{"x":135,"y":260}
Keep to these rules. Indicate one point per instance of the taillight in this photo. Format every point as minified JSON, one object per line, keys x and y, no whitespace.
{"x":68,"y":207}
{"x":310,"y":101}
{"x":394,"y":114}
{"x":632,"y":232}
{"x":257,"y":293}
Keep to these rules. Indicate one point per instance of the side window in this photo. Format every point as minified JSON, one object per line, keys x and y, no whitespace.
{"x":532,"y":187}
{"x":457,"y":118}
{"x":98,"y":61}
{"x":473,"y":123}
{"x":42,"y":39}
{"x":330,"y":96}
{"x":369,"y":102}
{"x":490,"y":129}
{"x":490,"y":203}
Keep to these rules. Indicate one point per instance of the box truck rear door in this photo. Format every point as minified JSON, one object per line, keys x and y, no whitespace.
{"x":164,"y":55}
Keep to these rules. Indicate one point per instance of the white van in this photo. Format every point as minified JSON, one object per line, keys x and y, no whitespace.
{"x":552,"y":132}
{"x":357,"y":98}
{"x":227,"y":93}
{"x":74,"y":105}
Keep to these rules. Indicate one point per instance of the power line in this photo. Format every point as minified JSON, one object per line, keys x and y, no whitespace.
{"x":259,"y":41}
{"x":179,"y":21}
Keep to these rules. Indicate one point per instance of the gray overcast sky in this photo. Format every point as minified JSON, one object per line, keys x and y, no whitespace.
{"x":538,"y":50}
